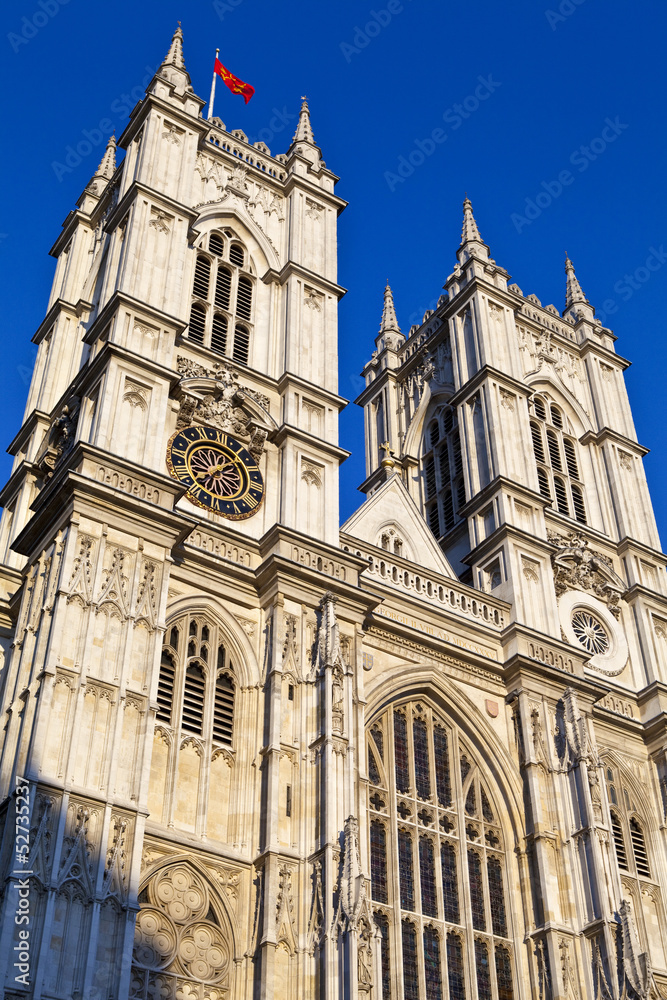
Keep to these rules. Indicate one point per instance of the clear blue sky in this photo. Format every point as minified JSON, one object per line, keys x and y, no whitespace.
{"x":557,"y":72}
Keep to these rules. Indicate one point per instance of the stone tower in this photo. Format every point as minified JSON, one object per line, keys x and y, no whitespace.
{"x":249,"y":753}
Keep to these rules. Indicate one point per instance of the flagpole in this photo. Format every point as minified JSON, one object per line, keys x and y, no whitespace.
{"x":212,"y":97}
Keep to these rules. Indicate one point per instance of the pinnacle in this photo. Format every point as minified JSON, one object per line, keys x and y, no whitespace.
{"x":389,"y":323}
{"x":304,"y":131}
{"x":573,"y":290}
{"x":470,"y":233}
{"x":471,"y":240}
{"x":108,"y":162}
{"x":174,"y":56}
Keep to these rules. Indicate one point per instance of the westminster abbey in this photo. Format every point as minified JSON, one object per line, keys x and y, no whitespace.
{"x":249,"y":753}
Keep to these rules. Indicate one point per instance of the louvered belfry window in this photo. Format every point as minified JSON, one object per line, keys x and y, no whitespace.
{"x":223,"y":291}
{"x":438,"y":862}
{"x":196,"y":672}
{"x":556,"y":457}
{"x":628,"y":830}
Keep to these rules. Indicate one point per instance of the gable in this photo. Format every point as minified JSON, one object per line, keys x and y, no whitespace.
{"x":391,"y":512}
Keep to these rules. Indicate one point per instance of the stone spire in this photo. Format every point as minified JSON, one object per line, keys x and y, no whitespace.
{"x":573,"y":291}
{"x":98,"y":182}
{"x":304,"y":130}
{"x":174,"y":56}
{"x":471,"y":240}
{"x":107,"y":165}
{"x":389,"y":323}
{"x":577,"y":306}
{"x":390,"y":332}
{"x":173,"y":65}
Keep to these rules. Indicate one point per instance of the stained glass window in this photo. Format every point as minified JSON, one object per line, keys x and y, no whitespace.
{"x":443,"y":781}
{"x":378,"y":862}
{"x":427,"y":815}
{"x":432,"y":972}
{"x":406,"y":876}
{"x":487,"y":812}
{"x":410,"y":969}
{"x":450,"y":885}
{"x":497,"y":897}
{"x":383,"y":924}
{"x":504,"y":973}
{"x":420,"y":744}
{"x":455,"y":972}
{"x":373,"y":770}
{"x":483,"y":971}
{"x":476,"y":891}
{"x":427,"y":878}
{"x":401,"y":753}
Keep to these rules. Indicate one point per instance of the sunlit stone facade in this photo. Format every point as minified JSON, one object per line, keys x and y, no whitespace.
{"x":260,"y":755}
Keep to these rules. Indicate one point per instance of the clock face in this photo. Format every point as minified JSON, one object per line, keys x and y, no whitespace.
{"x":218,"y":472}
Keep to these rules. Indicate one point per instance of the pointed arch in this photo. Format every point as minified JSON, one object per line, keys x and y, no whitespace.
{"x":246,"y":667}
{"x":260,"y":248}
{"x":564,"y":399}
{"x":219,"y":900}
{"x":399,"y":685}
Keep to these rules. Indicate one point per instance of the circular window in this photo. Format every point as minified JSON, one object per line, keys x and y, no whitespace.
{"x":590,"y":632}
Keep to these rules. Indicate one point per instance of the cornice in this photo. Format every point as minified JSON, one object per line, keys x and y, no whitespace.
{"x":487,"y":372}
{"x":607,"y":434}
{"x":122,"y":298}
{"x":291,"y":268}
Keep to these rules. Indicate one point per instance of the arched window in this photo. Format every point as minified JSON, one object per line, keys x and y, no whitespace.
{"x":562,"y":490}
{"x":204,"y":677}
{"x":222,"y":292}
{"x":444,"y":488}
{"x":437,"y":827}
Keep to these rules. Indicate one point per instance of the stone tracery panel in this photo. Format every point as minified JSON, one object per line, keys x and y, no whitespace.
{"x":183,"y":943}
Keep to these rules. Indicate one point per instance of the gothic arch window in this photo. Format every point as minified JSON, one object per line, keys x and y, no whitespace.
{"x":438,"y":861}
{"x":636,"y":867}
{"x":196,"y":684}
{"x":442,"y":467}
{"x":626,"y":826}
{"x":556,"y":456}
{"x":182,"y":939}
{"x":223,"y":291}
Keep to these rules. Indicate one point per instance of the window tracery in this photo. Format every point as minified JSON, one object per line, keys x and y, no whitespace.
{"x":182,"y":944}
{"x":557,"y":466}
{"x":222,"y":297}
{"x":438,"y":864}
{"x":196,"y":669}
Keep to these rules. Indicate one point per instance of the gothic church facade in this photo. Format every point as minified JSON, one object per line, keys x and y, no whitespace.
{"x":249,"y":753}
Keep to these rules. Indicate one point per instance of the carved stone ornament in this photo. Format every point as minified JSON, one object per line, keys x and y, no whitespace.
{"x":59,"y":440}
{"x":578,"y":567}
{"x":215,"y":397}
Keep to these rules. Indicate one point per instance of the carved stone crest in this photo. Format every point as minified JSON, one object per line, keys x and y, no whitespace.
{"x":578,"y":567}
{"x":215,"y":397}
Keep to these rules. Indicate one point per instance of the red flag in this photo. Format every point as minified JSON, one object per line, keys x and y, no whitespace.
{"x":235,"y":85}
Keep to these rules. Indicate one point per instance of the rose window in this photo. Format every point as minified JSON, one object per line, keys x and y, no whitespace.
{"x":590,"y":632}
